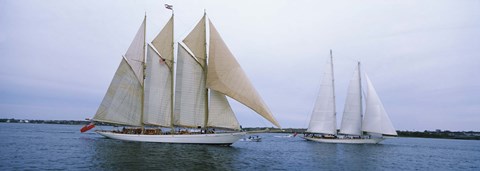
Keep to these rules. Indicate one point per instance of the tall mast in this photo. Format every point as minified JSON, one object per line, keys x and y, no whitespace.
{"x":172,"y":70}
{"x":205,"y":72}
{"x":143,"y":70}
{"x":333,"y":88}
{"x":360,"y":87}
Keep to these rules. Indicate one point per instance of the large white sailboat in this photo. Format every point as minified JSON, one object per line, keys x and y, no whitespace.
{"x":375,"y":123}
{"x":143,"y":95}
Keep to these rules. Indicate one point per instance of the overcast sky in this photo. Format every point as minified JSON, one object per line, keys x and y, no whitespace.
{"x":423,"y":56}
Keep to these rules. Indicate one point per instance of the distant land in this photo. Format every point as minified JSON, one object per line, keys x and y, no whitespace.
{"x":446,"y":134}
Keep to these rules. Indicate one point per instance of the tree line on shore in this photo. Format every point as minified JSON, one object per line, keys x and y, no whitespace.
{"x":470,"y":135}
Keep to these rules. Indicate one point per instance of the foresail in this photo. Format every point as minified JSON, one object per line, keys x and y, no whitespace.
{"x":196,"y":41}
{"x":158,"y":91}
{"x":122,"y":103}
{"x":323,"y":119}
{"x":136,"y":53}
{"x":163,"y":43}
{"x":220,"y":113}
{"x":352,"y":113}
{"x":376,"y":119}
{"x":225,"y":75}
{"x":190,"y":91}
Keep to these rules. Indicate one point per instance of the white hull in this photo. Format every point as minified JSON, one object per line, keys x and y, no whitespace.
{"x":346,"y":141}
{"x":214,"y":139}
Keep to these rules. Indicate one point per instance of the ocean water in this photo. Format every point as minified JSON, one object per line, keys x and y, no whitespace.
{"x":63,"y":147}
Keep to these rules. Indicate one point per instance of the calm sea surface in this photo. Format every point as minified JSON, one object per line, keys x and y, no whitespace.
{"x":63,"y":147}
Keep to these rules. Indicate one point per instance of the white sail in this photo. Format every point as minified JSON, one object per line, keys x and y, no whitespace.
{"x":323,"y":119}
{"x":123,"y":101}
{"x":190,"y":90}
{"x":225,"y":75}
{"x":158,"y":91}
{"x":196,"y":41}
{"x":352,"y":113}
{"x":163,"y":43}
{"x":136,"y":52}
{"x":376,"y":119}
{"x":220,"y":113}
{"x":131,"y":103}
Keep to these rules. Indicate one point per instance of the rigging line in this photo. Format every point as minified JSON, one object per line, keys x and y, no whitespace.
{"x":135,"y":60}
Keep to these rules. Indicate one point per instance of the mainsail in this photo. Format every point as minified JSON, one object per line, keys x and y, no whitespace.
{"x":376,"y":119}
{"x":190,"y":90}
{"x":352,"y":113}
{"x":323,"y":119}
{"x":157,"y":103}
{"x":122,"y":103}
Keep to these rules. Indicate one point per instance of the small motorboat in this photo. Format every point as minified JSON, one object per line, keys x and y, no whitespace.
{"x":254,"y":138}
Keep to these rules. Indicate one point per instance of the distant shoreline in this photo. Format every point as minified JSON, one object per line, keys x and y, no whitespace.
{"x":443,"y":134}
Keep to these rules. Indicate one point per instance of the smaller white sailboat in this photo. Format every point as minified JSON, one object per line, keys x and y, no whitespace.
{"x":371,"y":128}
